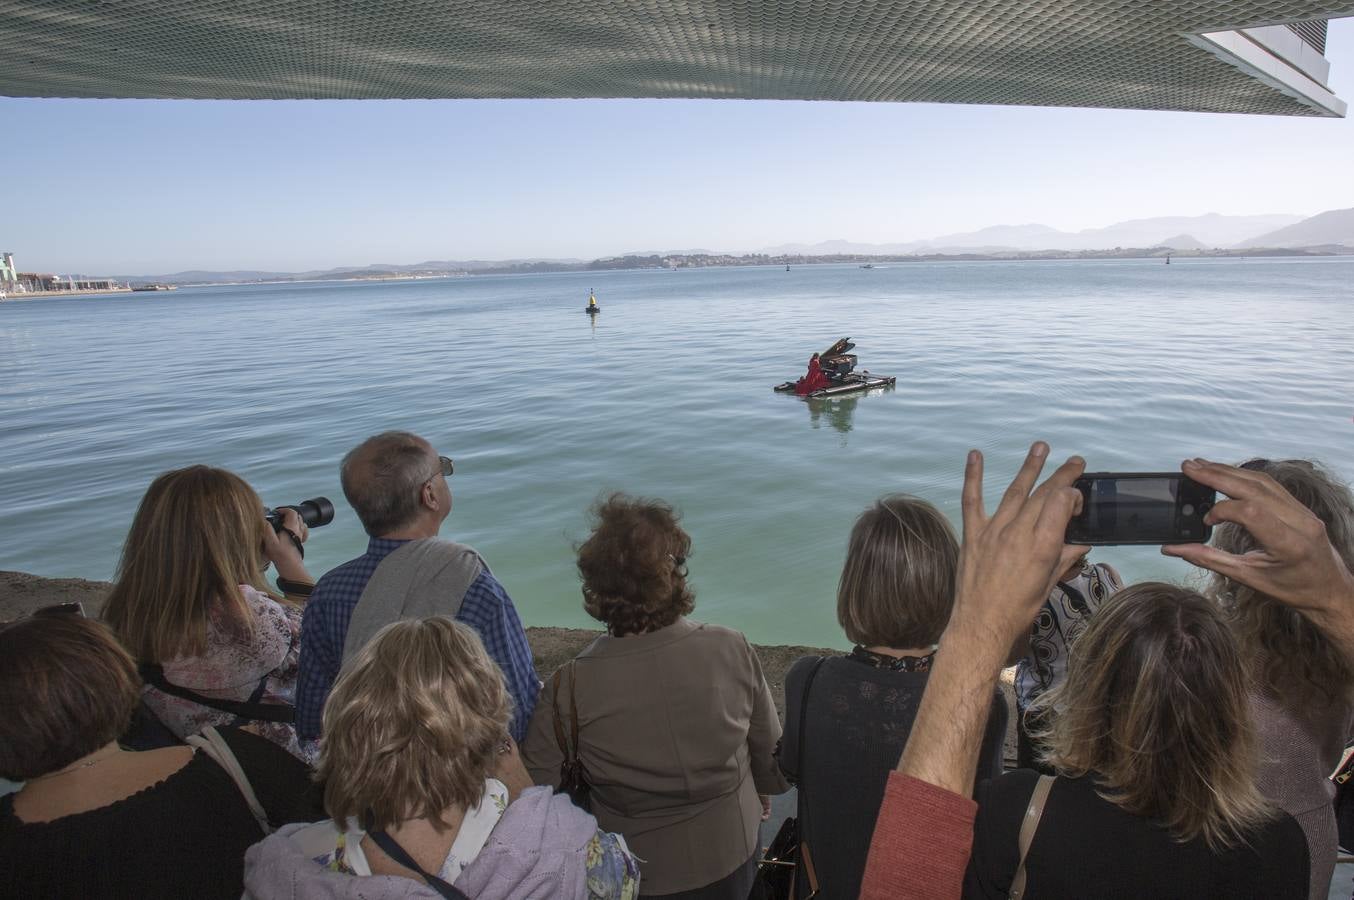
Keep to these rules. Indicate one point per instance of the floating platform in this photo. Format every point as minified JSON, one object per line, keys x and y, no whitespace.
{"x":845,"y":384}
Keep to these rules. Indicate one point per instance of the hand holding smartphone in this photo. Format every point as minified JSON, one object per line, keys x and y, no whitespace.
{"x":1140,"y":508}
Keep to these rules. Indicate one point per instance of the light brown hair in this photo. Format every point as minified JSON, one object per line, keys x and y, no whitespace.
{"x":897,"y":585}
{"x":197,"y":536}
{"x":383,"y":478}
{"x":1155,"y":707}
{"x":633,"y":565}
{"x":67,"y":688}
{"x":413,"y":726}
{"x":1288,"y":655}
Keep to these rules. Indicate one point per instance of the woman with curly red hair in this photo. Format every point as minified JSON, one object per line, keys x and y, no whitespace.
{"x":676,"y":724}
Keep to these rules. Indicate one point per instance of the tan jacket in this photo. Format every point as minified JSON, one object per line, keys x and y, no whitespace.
{"x":677,"y":729}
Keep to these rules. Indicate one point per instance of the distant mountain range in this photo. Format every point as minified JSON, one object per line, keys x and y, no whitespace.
{"x":375,"y":270}
{"x":1335,"y":226}
{"x":1178,"y":232}
{"x":1332,"y":231}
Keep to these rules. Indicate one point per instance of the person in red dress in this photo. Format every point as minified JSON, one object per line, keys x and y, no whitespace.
{"x":815,"y":379}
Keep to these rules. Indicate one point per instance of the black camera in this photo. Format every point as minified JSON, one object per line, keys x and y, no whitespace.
{"x":315,"y":512}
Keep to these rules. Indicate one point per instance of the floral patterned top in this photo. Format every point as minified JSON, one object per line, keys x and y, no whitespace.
{"x":259,"y":666}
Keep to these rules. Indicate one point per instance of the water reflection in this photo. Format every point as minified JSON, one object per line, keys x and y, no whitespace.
{"x":840,"y":411}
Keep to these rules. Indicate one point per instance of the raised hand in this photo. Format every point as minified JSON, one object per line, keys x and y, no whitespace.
{"x":1011,"y":560}
{"x":1295,"y":563}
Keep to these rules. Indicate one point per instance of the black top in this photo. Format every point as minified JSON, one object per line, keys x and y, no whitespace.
{"x":183,"y":837}
{"x":858,"y":720}
{"x":1088,"y":847}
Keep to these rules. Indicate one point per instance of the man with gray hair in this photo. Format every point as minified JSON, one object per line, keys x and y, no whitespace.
{"x":398,"y":486}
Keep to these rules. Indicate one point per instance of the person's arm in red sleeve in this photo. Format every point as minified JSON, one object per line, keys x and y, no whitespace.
{"x":921,"y":842}
{"x":1007,"y":567}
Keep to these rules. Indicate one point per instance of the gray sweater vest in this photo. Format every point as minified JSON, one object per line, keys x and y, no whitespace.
{"x":422,"y":578}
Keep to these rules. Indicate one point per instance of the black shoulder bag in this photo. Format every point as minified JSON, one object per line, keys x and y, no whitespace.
{"x":788,"y":849}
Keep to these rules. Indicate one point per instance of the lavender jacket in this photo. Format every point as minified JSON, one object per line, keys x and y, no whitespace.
{"x":539,"y":849}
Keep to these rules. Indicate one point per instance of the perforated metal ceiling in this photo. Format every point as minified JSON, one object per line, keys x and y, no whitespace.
{"x":1113,"y":53}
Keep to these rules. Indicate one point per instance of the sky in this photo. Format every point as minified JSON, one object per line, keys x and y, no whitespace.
{"x":123,"y":187}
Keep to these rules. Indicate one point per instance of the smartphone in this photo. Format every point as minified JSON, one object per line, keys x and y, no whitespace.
{"x":1140,"y":508}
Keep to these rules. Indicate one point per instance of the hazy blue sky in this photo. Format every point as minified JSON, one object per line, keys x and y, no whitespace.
{"x":141,"y":187}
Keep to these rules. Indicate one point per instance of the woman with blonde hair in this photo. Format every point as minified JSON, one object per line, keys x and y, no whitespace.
{"x":1155,"y":793}
{"x":1303,"y":684}
{"x":190,"y":603}
{"x":847,"y":718}
{"x":675,"y":722}
{"x":426,"y":794}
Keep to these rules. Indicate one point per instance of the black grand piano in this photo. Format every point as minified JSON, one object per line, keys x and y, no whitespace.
{"x":839,"y":364}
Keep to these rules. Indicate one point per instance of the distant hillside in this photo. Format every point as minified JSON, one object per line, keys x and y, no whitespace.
{"x":1211,"y":230}
{"x":1183,"y":242}
{"x":376,"y":270}
{"x":1334,"y":226}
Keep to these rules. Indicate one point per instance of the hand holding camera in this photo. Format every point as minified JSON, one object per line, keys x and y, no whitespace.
{"x":283,"y":544}
{"x":1296,"y":562}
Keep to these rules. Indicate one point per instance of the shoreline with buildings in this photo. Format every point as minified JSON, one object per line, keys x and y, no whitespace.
{"x":671,"y":262}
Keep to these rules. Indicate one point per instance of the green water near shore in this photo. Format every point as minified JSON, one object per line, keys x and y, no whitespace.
{"x":1133,"y":364}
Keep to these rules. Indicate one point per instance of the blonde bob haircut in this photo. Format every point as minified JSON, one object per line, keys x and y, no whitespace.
{"x":197,"y":536}
{"x":1155,"y":708}
{"x":413,"y":726}
{"x":897,"y":586}
{"x":1290,"y":657}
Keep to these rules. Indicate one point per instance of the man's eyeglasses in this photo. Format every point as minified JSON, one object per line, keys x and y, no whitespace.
{"x":445,"y":467}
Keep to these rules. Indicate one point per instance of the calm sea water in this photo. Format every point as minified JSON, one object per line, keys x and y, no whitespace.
{"x":1133,"y":364}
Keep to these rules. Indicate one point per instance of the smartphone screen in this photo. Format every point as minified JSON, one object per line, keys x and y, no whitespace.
{"x":1140,"y":508}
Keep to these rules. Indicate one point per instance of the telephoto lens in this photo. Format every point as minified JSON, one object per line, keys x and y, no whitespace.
{"x":315,"y":512}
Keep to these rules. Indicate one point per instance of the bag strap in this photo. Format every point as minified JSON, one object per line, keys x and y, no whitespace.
{"x":555,"y":681}
{"x":284,"y":713}
{"x":211,"y":743}
{"x":573,"y":705}
{"x":1028,"y":826}
{"x":810,"y":875}
{"x":392,"y":849}
{"x":804,"y":715}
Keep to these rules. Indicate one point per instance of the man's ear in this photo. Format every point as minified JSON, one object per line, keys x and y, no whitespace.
{"x":428,"y":496}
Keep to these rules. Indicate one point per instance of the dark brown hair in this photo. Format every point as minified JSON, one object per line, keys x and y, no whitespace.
{"x":67,"y":688}
{"x":897,"y":585}
{"x":1290,"y":657}
{"x":1155,"y":706}
{"x":633,"y":565}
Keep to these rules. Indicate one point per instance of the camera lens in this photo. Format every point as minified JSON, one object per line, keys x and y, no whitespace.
{"x":316,"y":512}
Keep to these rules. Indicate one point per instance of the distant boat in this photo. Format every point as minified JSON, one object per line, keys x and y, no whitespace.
{"x":868,"y":266}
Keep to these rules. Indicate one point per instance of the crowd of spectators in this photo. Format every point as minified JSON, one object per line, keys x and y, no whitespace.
{"x":358,"y":737}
